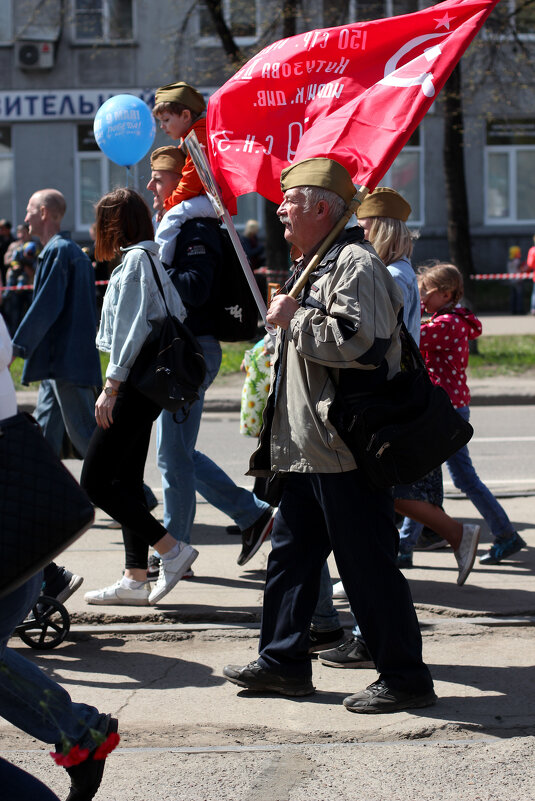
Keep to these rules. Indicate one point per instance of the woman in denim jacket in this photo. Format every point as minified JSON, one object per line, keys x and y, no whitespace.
{"x":113,"y":469}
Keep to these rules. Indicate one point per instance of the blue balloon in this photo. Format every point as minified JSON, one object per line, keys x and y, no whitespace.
{"x":124,"y":129}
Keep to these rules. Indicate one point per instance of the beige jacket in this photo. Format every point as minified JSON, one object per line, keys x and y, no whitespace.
{"x":348,"y":320}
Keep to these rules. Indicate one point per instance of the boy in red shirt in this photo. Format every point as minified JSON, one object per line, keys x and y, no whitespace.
{"x":180,"y":109}
{"x":444,"y":346}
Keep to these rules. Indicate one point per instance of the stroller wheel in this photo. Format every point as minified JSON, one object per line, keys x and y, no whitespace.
{"x":46,"y":626}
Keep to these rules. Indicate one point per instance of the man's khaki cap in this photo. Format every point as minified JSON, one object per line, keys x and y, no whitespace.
{"x":167,"y":158}
{"x":384,"y":202}
{"x":181,"y":93}
{"x":322,"y":172}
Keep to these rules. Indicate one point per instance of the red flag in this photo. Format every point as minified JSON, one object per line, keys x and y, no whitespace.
{"x":355,"y":93}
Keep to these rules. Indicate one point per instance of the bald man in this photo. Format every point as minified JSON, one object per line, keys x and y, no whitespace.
{"x":57,"y":334}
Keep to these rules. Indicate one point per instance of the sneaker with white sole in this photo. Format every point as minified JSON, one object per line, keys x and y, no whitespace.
{"x":255,"y":535}
{"x":117,"y":595}
{"x":172,"y":570}
{"x":339,"y":591}
{"x":60,"y":583}
{"x":466,"y":552}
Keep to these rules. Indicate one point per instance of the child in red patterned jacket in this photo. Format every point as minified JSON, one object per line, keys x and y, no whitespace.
{"x":444,"y":345}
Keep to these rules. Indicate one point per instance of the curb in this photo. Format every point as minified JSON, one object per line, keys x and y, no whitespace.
{"x":27,"y":404}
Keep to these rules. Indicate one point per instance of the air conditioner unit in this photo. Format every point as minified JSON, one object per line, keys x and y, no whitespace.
{"x":35,"y":55}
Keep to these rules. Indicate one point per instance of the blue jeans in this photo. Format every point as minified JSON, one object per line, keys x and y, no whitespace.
{"x":325,"y":617}
{"x":66,"y":407}
{"x":465,"y":478}
{"x":17,"y":783}
{"x":408,"y":534}
{"x":23,"y":686}
{"x":185,"y":470}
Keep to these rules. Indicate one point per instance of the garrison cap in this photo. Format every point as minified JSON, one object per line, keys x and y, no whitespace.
{"x":181,"y":93}
{"x":322,"y":172}
{"x":167,"y":158}
{"x":384,"y":202}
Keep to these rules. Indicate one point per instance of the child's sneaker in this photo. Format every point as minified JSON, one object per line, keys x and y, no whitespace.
{"x":502,"y":549}
{"x":466,"y":552}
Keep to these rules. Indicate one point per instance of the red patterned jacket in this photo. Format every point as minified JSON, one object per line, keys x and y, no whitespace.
{"x":444,"y":346}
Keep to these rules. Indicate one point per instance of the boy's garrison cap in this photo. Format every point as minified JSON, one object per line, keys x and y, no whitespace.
{"x":181,"y":93}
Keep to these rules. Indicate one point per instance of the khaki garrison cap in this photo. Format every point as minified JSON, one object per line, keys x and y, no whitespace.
{"x":168,"y":158}
{"x":384,"y":202}
{"x":322,"y":172}
{"x":181,"y":93}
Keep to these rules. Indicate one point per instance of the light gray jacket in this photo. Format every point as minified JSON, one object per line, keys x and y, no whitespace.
{"x":132,"y":305}
{"x":348,"y":320}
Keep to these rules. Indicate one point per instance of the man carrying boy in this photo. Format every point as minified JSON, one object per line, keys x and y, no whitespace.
{"x":195,"y":270}
{"x":181,"y":109}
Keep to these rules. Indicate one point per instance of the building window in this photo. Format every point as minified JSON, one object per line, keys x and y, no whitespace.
{"x":406,"y":176}
{"x":103,"y":20}
{"x":241,"y":17}
{"x":95,"y":175}
{"x":510,"y":172}
{"x":510,"y":19}
{"x":6,"y":28}
{"x":6,"y":172}
{"x":340,"y":12}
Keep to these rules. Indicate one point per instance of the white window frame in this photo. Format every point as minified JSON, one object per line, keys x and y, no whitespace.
{"x":524,"y":37}
{"x":214,"y":41}
{"x":9,"y":156}
{"x":413,"y":221}
{"x":105,"y":39}
{"x":512,"y":152}
{"x":106,"y":186}
{"x":6,"y":15}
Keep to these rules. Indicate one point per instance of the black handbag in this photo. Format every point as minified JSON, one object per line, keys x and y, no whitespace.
{"x":402,"y":430}
{"x":170,"y":367}
{"x":42,"y":507}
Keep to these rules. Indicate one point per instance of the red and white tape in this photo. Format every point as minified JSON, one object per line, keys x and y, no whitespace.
{"x":500,"y":276}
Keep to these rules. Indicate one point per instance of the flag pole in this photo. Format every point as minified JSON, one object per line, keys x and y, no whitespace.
{"x":327,"y":242}
{"x":206,"y":175}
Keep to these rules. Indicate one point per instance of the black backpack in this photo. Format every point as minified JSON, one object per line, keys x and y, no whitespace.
{"x":235,"y":310}
{"x":170,"y":368}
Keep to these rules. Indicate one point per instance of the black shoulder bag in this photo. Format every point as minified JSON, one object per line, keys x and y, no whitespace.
{"x":402,"y":430}
{"x":170,"y":367}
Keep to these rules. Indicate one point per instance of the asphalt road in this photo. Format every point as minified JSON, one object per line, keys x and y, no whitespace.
{"x":188,"y":735}
{"x":502,"y":447}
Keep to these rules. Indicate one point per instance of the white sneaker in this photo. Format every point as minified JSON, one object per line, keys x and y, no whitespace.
{"x":338,"y":590}
{"x":466,"y":552}
{"x":172,"y":570}
{"x":119,"y":595}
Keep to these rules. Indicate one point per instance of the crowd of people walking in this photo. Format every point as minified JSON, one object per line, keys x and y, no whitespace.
{"x":347,"y":317}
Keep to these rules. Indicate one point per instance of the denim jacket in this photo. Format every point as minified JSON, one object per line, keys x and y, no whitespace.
{"x":132,"y":304}
{"x":57,"y":334}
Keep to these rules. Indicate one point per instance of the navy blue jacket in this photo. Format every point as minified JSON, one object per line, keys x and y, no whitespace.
{"x":57,"y":334}
{"x":197,"y":271}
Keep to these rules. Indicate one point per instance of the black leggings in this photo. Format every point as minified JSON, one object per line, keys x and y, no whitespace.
{"x":113,"y":469}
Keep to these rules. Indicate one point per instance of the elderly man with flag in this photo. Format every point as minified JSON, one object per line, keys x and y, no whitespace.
{"x":345,"y":320}
{"x":356,"y":93}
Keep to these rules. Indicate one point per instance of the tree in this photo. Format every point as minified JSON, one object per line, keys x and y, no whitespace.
{"x":459,"y":240}
{"x":276,"y":246}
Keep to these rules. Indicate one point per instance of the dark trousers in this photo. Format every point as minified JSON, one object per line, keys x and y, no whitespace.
{"x":339,"y":512}
{"x":112,"y":474}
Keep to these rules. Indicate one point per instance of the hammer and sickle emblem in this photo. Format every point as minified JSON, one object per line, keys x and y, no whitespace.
{"x":394,"y":75}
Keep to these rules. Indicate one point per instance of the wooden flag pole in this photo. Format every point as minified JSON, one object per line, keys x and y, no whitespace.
{"x":327,"y":242}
